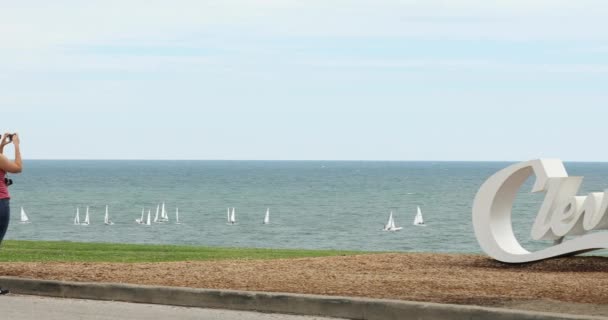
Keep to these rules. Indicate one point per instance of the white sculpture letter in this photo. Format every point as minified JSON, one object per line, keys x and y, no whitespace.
{"x":562,"y":213}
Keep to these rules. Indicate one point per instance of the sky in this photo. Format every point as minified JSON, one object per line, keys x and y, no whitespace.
{"x":306,"y":80}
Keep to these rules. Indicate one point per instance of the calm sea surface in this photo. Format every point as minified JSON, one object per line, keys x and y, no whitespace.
{"x":313,"y":204}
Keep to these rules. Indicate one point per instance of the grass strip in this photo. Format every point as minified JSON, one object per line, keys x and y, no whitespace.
{"x":65,"y":251}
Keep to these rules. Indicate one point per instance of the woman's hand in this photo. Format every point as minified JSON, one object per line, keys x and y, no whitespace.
{"x":16,"y":139}
{"x":5,"y":139}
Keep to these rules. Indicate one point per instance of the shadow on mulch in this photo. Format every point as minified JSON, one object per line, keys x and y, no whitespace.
{"x":570,"y":264}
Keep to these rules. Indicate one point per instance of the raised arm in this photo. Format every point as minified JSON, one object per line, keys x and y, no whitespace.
{"x":15,"y":166}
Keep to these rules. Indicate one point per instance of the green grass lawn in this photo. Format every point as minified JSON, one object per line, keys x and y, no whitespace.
{"x":41,"y":251}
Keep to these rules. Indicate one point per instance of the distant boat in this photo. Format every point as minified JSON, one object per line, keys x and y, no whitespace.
{"x":77,"y":217}
{"x":267,"y":216}
{"x":141,"y":220}
{"x":148,"y":220}
{"x":156,"y":216}
{"x":418,"y":221}
{"x":177,"y":216}
{"x":86,"y":218}
{"x":232,"y":218}
{"x":24,"y":218}
{"x":106,"y":218}
{"x":390,"y":224}
{"x":164,"y":216}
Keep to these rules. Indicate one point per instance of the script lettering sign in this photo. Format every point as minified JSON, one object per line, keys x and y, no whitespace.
{"x":562,"y":213}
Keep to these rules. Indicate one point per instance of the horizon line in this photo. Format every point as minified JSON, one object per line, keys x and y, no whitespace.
{"x":304,"y":160}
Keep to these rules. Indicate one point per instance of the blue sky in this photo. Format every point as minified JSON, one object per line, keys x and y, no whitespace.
{"x":352,"y":80}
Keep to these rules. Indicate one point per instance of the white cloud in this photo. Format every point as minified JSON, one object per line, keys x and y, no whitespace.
{"x":42,"y":60}
{"x":462,"y":65}
{"x":35,"y":34}
{"x":36,"y":24}
{"x":591,"y":49}
{"x":393,"y":63}
{"x":41,"y":24}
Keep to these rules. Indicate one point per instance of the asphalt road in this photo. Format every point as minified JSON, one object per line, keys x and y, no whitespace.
{"x":18,"y":307}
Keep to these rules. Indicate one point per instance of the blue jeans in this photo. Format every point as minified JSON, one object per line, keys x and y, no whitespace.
{"x":5,"y":216}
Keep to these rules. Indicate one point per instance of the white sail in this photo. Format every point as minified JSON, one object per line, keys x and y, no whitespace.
{"x":106,"y":218}
{"x":390,"y":224}
{"x":164,"y":216}
{"x":233,"y":216}
{"x":156,"y":216}
{"x":267,"y":216}
{"x":86,"y":218}
{"x":177,"y":216}
{"x":418,"y":221}
{"x":148,"y":221}
{"x":77,"y":217}
{"x":24,"y":218}
{"x":393,"y":226}
{"x":141,"y":220}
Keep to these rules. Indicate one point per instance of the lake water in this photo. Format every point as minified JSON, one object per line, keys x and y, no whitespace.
{"x":313,"y":204}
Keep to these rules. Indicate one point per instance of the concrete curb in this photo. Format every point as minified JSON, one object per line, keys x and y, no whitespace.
{"x":302,"y":304}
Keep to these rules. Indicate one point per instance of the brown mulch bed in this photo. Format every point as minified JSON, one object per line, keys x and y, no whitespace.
{"x":444,"y":278}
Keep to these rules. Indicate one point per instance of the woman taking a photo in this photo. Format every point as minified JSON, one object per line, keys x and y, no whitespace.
{"x":9,"y":166}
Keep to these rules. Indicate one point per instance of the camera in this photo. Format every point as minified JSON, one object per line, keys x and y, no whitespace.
{"x":10,"y":136}
{"x":8,"y":181}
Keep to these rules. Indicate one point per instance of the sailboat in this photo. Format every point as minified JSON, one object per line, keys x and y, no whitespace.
{"x":156,"y":216}
{"x":418,"y":221}
{"x":177,"y":216}
{"x":148,"y":221}
{"x":77,"y":217}
{"x":141,"y":220}
{"x":106,"y":218}
{"x":86,"y":221}
{"x":164,"y":217}
{"x":390,"y":224}
{"x":233,"y":216}
{"x":267,"y":216}
{"x":24,"y":218}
